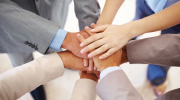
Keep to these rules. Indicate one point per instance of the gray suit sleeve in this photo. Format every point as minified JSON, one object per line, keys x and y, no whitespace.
{"x":26,"y":27}
{"x":87,"y":12}
{"x":116,"y":86}
{"x":162,"y":50}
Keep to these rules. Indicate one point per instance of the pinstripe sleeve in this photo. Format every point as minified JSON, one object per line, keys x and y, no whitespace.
{"x":25,"y":27}
{"x":87,"y":12}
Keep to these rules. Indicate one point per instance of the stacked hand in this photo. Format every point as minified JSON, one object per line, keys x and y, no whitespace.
{"x":113,"y":60}
{"x":78,"y":61}
{"x":106,"y":41}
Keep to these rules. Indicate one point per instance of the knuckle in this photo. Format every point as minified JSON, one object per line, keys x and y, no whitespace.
{"x":103,"y":48}
{"x":110,"y":52}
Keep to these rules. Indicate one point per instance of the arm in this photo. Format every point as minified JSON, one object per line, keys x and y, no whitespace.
{"x":33,"y":74}
{"x":87,"y":12}
{"x":114,"y":84}
{"x":85,"y":88}
{"x":109,"y":11}
{"x":26,"y":27}
{"x":114,"y":37}
{"x":20,"y":80}
{"x":163,"y":19}
{"x":162,"y":50}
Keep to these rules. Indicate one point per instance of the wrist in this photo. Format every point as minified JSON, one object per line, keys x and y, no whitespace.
{"x":86,"y":75}
{"x":65,"y":57}
{"x":107,"y":66}
{"x":67,"y":41}
{"x":135,"y":29}
{"x":124,"y":55}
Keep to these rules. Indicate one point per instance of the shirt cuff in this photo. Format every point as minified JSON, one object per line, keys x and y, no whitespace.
{"x":58,"y":40}
{"x":109,"y":70}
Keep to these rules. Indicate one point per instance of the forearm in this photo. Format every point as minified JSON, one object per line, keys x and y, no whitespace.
{"x":87,"y":12}
{"x":109,"y":11}
{"x":25,"y":27}
{"x":84,"y":89}
{"x":159,"y":21}
{"x":29,"y":76}
{"x":156,"y":50}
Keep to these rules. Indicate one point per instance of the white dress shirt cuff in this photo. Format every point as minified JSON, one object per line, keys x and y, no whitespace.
{"x":109,"y":70}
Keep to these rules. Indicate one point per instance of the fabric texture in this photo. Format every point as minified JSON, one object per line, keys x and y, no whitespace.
{"x":58,"y":40}
{"x":29,"y":76}
{"x":146,"y":50}
{"x":84,"y":89}
{"x":116,"y":86}
{"x":109,"y":70}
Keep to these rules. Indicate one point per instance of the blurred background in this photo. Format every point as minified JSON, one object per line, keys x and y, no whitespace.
{"x":61,"y":88}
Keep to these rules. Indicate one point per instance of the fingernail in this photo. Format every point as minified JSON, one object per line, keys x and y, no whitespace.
{"x":82,"y":44}
{"x":101,"y":57}
{"x":86,"y":27}
{"x":78,"y":35}
{"x":82,"y":51}
{"x":90,"y":55}
{"x":89,"y":68}
{"x":92,"y":30}
{"x":92,"y":24}
{"x":94,"y":68}
{"x":85,"y":64}
{"x":97,"y":69}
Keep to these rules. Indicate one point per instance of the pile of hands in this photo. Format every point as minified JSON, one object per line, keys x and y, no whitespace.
{"x":92,"y":50}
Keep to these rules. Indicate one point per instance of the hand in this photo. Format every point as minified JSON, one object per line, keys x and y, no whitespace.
{"x":112,"y":39}
{"x":86,"y":75}
{"x":113,"y":60}
{"x":90,"y":64}
{"x":73,"y":62}
{"x":72,"y":44}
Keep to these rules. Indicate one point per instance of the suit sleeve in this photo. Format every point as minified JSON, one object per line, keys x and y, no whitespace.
{"x":84,"y":89}
{"x":116,"y":86}
{"x":162,"y":50}
{"x":20,"y":80}
{"x":25,"y":27}
{"x":87,"y":12}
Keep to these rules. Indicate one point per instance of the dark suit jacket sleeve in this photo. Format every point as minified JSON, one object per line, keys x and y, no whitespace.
{"x":87,"y":12}
{"x":162,"y":50}
{"x":116,"y":86}
{"x":26,"y":27}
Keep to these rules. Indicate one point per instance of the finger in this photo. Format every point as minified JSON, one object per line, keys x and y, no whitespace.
{"x":95,"y":68}
{"x":99,"y":28}
{"x":80,"y":37}
{"x":86,"y":62}
{"x":108,"y":53}
{"x":91,"y":65}
{"x":80,"y":72}
{"x":100,"y":50}
{"x":90,"y":40}
{"x":89,"y":72}
{"x":95,"y":25}
{"x":93,"y":46}
{"x":88,"y":30}
{"x":98,"y":76}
